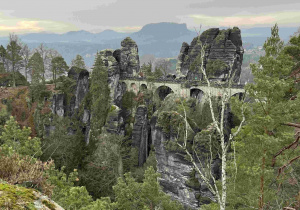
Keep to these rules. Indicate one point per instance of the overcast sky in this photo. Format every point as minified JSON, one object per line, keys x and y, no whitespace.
{"x":60,"y":16}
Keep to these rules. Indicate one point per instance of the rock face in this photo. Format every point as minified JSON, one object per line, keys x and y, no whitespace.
{"x":124,"y":61}
{"x":82,"y":87}
{"x":113,"y":68}
{"x":174,"y":169}
{"x":129,"y":58}
{"x":223,"y":45}
{"x":178,"y":178}
{"x":140,"y":134}
{"x":58,"y":106}
{"x":63,"y":108}
{"x":23,"y":197}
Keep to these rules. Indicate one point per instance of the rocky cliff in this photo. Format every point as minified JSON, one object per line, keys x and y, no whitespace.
{"x":124,"y":61}
{"x":129,"y":58}
{"x":178,"y":177}
{"x":221,"y":45}
{"x":141,"y":138}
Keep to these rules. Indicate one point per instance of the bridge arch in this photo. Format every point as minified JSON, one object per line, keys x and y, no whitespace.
{"x":124,"y":86}
{"x":134,"y":88}
{"x":240,"y":95}
{"x":162,"y":91}
{"x":197,"y":93}
{"x":143,"y":87}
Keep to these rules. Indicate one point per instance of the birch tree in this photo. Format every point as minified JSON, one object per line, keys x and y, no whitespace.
{"x":43,"y":51}
{"x":217,"y":126}
{"x":25,"y":53}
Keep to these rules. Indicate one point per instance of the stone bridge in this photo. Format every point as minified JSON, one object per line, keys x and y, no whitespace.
{"x":183,"y":88}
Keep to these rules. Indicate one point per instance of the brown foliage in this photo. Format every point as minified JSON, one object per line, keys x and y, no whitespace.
{"x":16,"y":169}
{"x":20,"y":109}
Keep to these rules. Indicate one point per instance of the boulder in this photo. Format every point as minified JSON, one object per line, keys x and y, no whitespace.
{"x":18,"y":197}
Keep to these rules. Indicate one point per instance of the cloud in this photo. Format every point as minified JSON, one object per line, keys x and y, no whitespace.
{"x":291,"y":17}
{"x":240,"y":4}
{"x":127,"y":28}
{"x":22,"y":26}
{"x":10,"y":24}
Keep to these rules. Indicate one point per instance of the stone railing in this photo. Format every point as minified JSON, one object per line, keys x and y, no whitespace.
{"x":187,"y":83}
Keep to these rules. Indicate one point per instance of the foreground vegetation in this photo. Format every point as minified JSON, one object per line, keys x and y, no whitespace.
{"x":263,"y":161}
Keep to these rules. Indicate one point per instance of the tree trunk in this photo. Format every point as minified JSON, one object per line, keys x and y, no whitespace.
{"x":120,"y":166}
{"x":14,"y":76}
{"x":26,"y":73}
{"x":261,"y":198}
{"x":223,"y":171}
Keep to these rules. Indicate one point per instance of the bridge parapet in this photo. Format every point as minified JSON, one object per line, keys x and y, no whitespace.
{"x":184,"y":82}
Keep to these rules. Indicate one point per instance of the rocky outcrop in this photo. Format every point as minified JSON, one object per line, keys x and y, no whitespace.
{"x":58,"y":106}
{"x":174,"y":169}
{"x":129,"y":58}
{"x":178,"y":176}
{"x":63,"y":107}
{"x":119,"y":92}
{"x":82,"y":88}
{"x":113,"y":69}
{"x":18,"y":197}
{"x":140,"y":134}
{"x":221,"y":45}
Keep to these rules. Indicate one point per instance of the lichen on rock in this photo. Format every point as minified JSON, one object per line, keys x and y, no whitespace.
{"x":17,"y":197}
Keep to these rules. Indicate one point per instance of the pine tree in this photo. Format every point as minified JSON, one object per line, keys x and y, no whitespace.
{"x":37,"y":81}
{"x":3,"y":60}
{"x":59,"y":66}
{"x":14,"y":56}
{"x":78,"y":62}
{"x":100,"y":98}
{"x":19,"y":140}
{"x":253,"y":178}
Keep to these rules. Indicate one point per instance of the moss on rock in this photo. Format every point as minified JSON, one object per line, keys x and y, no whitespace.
{"x":16,"y":197}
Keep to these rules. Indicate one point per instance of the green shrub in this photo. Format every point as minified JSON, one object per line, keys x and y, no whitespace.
{"x":7,"y":79}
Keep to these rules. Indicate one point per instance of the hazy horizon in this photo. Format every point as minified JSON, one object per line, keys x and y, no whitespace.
{"x":131,"y":15}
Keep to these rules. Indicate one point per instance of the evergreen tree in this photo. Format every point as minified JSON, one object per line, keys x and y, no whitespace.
{"x":78,"y":62}
{"x":100,"y":98}
{"x":14,"y":56}
{"x":37,"y":86}
{"x":59,"y":66}
{"x":19,"y":140}
{"x":253,"y":176}
{"x":158,"y":73}
{"x":3,"y":60}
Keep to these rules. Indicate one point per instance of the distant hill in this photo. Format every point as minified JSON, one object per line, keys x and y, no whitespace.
{"x":159,"y":39}
{"x":258,"y":35}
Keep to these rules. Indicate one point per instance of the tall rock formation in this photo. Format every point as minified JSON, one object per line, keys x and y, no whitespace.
{"x":113,"y":68}
{"x":177,"y":176}
{"x":221,"y":45}
{"x":141,"y":133}
{"x":129,"y":58}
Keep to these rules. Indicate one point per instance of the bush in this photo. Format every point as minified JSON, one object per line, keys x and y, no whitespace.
{"x":19,"y":140}
{"x":25,"y":171}
{"x":147,"y":195}
{"x":7,"y":79}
